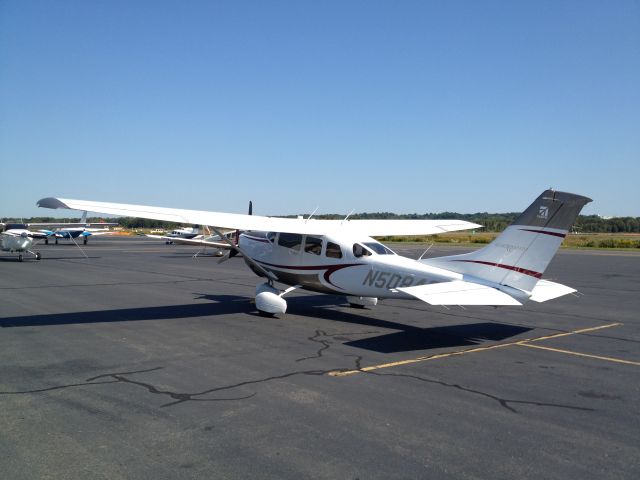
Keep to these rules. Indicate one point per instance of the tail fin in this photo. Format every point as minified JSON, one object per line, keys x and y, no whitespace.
{"x":519,"y":255}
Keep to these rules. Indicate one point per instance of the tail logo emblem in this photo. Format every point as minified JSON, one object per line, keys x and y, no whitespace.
{"x":543,"y":212}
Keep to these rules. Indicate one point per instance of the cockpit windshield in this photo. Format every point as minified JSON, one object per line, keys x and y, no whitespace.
{"x":379,"y":248}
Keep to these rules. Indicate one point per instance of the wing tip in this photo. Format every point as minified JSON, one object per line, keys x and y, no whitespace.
{"x":51,"y":202}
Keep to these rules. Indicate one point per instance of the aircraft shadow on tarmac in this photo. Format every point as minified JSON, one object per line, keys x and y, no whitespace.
{"x":228,"y":304}
{"x":14,"y":259}
{"x":404,"y":338}
{"x":410,"y":337}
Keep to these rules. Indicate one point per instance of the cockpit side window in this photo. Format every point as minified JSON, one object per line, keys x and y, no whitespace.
{"x":360,"y":251}
{"x":290,"y":240}
{"x":333,"y":250}
{"x":379,"y":248}
{"x":271,"y":236}
{"x":313,"y":245}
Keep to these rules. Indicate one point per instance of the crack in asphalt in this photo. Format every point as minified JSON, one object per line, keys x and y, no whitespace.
{"x":326,"y":344}
{"x":504,"y":402}
{"x":118,"y":377}
{"x":182,"y":397}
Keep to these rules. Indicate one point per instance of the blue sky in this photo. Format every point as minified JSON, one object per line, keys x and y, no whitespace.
{"x":411,"y":106}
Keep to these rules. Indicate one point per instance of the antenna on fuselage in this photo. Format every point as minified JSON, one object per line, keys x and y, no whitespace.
{"x":348,"y":215}
{"x":312,"y":214}
{"x":425,"y":252}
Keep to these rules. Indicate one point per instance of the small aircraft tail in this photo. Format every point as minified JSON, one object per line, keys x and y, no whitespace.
{"x":518,"y":257}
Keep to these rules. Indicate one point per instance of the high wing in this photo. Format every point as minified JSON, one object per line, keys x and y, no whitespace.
{"x":48,"y":225}
{"x":237,"y":221}
{"x":24,"y":233}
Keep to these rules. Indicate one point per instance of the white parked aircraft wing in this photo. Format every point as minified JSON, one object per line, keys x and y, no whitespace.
{"x":201,"y":243}
{"x":255,"y":222}
{"x":459,"y":292}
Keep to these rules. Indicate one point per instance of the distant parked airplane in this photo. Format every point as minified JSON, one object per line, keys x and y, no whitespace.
{"x":75,"y":230}
{"x":17,"y":238}
{"x":178,"y":234}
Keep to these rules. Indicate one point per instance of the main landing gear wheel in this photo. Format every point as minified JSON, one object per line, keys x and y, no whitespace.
{"x":85,"y":241}
{"x":20,"y":258}
{"x":269,"y":301}
{"x":38,"y":256}
{"x":362,"y":302}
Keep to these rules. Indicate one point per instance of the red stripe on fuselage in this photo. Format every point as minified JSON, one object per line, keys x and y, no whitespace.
{"x":545,"y":232}
{"x":329,"y":269}
{"x":524,"y":271}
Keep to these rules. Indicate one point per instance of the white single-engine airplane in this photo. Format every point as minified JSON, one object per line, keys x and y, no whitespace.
{"x":174,"y":236}
{"x":340,"y":257}
{"x":17,"y":238}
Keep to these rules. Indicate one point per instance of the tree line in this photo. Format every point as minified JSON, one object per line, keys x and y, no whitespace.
{"x":493,"y":222}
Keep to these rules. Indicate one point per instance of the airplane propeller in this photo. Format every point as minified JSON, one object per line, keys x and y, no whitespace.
{"x":233,"y":252}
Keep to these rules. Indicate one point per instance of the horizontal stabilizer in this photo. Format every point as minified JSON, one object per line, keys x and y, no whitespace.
{"x":546,"y":290}
{"x":459,"y":292}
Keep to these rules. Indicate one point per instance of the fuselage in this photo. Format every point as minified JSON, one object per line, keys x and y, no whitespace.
{"x":334,"y":264}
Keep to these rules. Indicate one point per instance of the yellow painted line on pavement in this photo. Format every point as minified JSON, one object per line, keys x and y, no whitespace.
{"x":580,"y":354}
{"x":524,"y":342}
{"x":574,"y":332}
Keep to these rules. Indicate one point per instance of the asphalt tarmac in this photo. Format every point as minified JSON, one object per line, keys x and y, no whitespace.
{"x":142,"y":362}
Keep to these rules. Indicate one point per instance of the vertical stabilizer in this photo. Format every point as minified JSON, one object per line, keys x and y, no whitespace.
{"x":518,"y":256}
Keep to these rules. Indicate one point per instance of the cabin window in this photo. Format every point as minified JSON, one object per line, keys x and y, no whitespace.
{"x":290,"y":240}
{"x":313,"y":245}
{"x":333,"y":250}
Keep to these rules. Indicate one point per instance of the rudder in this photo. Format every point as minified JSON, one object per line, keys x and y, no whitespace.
{"x":520,"y":254}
